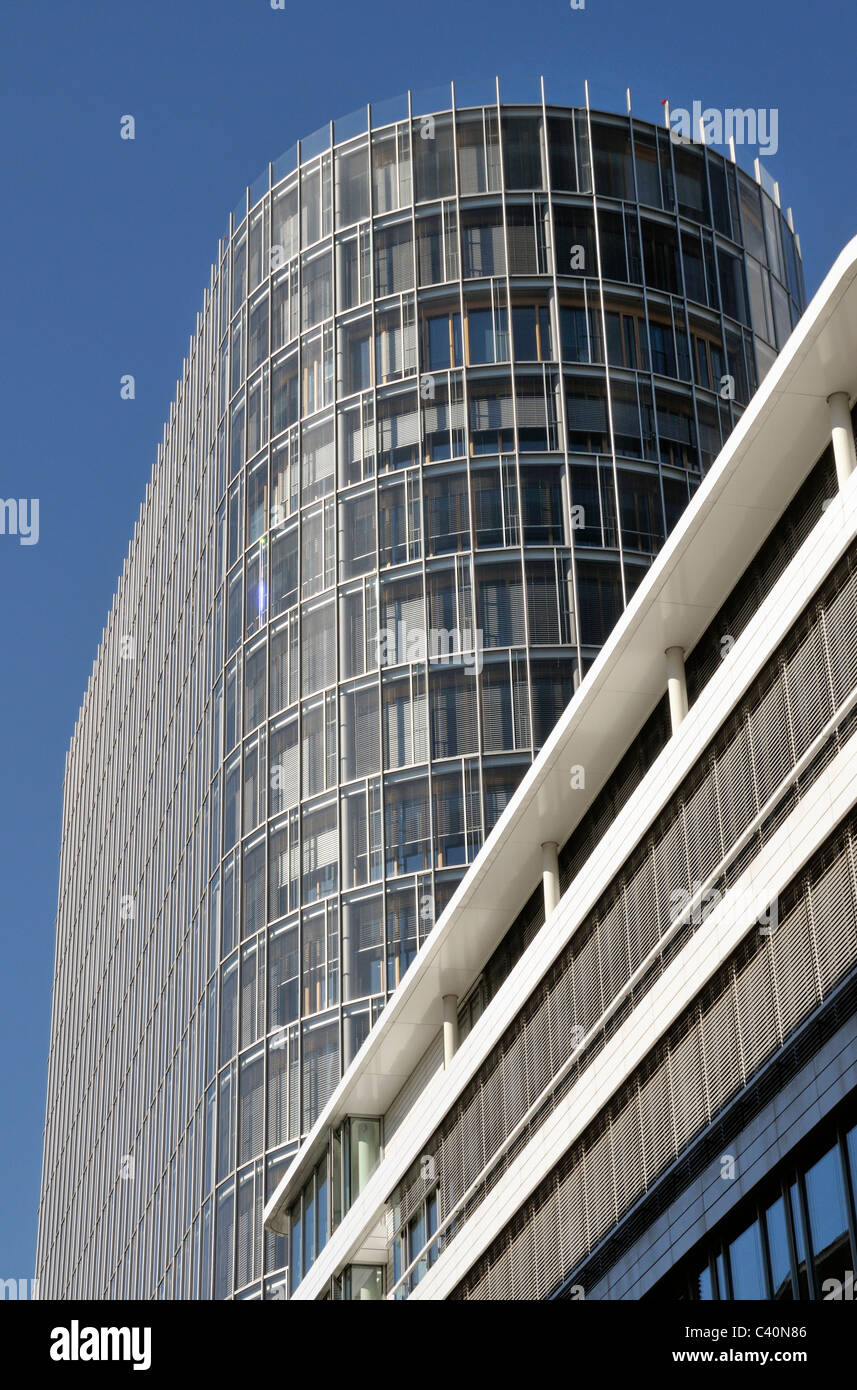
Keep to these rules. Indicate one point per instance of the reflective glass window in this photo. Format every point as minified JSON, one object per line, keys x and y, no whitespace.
{"x":478,"y":154}
{"x":646,"y":161}
{"x":486,"y":332}
{"x":690,"y":183}
{"x":354,"y":355}
{"x":563,"y":171}
{"x":614,"y":174}
{"x":282,"y":974}
{"x":778,"y":1250}
{"x":599,"y":589}
{"x":746,"y":1264}
{"x":316,"y":286}
{"x":352,"y":186}
{"x":257,"y":349}
{"x":394,"y":259}
{"x":434,"y":157}
{"x":751,"y":217}
{"x":522,"y":151}
{"x":284,"y":239}
{"x":660,"y":256}
{"x":442,"y":341}
{"x":800,"y":1240}
{"x":828,"y":1217}
{"x":531,"y":332}
{"x":483,"y":247}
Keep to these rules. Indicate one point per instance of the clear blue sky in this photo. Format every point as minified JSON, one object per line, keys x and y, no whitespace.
{"x":106,"y":247}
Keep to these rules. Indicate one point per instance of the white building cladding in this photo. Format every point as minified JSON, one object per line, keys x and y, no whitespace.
{"x":588,"y":1031}
{"x":460,"y":368}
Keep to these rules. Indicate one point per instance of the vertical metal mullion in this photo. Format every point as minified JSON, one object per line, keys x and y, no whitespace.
{"x":680,"y":249}
{"x":517,"y":450}
{"x":608,"y":393}
{"x":645,"y":305}
{"x":727,"y":1273}
{"x":560,"y":378}
{"x":767,"y":1273}
{"x":849,"y":1193}
{"x":807,"y":1230}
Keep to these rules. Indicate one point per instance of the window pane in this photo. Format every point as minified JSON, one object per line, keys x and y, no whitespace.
{"x":828,"y":1219}
{"x":800,"y":1242}
{"x":778,"y":1249}
{"x":352,"y":186}
{"x":522,"y":151}
{"x":745,"y":1262}
{"x":852,"y":1158}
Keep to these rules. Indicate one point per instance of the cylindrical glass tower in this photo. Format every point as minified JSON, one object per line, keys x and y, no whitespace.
{"x":456,"y":376}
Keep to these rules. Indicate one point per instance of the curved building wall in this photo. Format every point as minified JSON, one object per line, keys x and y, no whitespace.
{"x":455,"y":378}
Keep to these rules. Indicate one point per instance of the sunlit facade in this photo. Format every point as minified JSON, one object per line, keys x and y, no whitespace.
{"x":624,"y":1064}
{"x":459,"y":370}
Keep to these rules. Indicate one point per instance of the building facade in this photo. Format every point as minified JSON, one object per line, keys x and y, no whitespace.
{"x":459,"y":370}
{"x":624,"y":1065}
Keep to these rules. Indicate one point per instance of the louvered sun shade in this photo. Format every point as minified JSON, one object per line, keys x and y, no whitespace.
{"x":729,"y":785}
{"x":740,"y":1019}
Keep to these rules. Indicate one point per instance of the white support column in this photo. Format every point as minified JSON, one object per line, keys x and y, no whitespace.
{"x":346,"y":977}
{"x":367,"y":1156}
{"x":550,"y":876}
{"x":450,"y":1027}
{"x":676,"y":685}
{"x":842,"y":434}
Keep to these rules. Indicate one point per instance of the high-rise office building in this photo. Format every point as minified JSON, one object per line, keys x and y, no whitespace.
{"x":624,"y":1065}
{"x":460,"y":368}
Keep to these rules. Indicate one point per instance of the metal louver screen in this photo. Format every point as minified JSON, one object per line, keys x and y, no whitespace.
{"x":484,"y":251}
{"x":364,"y":714}
{"x":278,"y":1095}
{"x":778,"y":550}
{"x":350,"y":431}
{"x":626,"y":417}
{"x":522,"y":251}
{"x":320,"y":1075}
{"x":453,"y":714}
{"x":254,"y":891}
{"x":399,"y":431}
{"x":397,"y":727}
{"x":319,"y":460}
{"x":683,"y":847}
{"x":443,"y":416}
{"x":587,"y":412}
{"x":492,"y":413}
{"x":285,"y":789}
{"x":251,"y":1126}
{"x":496,"y":709}
{"x":501,"y":610}
{"x":354,"y":634}
{"x":543,"y":607}
{"x":318,"y":654}
{"x":431,"y":1061}
{"x":671,"y":425}
{"x":532,"y":412}
{"x":319,"y":848}
{"x":741,"y":1018}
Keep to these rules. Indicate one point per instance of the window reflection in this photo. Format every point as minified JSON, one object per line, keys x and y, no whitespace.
{"x":614,"y":175}
{"x":828,"y":1218}
{"x":522,"y":151}
{"x":352,"y":185}
{"x":745,"y":1264}
{"x":778,"y":1251}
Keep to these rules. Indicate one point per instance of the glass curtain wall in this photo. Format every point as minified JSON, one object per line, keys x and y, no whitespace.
{"x":457,"y":373}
